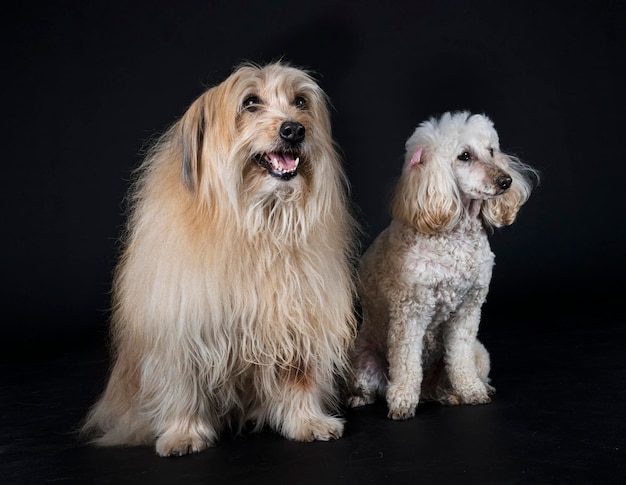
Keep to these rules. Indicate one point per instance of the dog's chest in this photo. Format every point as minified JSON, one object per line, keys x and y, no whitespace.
{"x":450,"y":264}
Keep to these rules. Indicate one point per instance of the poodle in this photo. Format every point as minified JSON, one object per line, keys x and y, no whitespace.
{"x":425,"y":278}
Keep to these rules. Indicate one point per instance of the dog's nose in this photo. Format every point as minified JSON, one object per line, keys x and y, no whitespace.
{"x":292,"y":132}
{"x":504,"y":181}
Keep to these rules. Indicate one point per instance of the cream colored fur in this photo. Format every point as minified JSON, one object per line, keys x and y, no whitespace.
{"x":424,"y":279}
{"x":233,"y":297}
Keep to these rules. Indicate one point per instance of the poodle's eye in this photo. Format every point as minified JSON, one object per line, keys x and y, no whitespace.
{"x":491,"y":152}
{"x":251,"y":103}
{"x":300,"y":102}
{"x":465,"y":156}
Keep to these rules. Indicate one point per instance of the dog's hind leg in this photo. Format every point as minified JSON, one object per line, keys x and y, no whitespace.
{"x":369,"y":377}
{"x":483,"y":365}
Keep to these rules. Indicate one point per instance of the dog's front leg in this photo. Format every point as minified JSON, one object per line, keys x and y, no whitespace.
{"x":460,"y":349}
{"x":173,"y":400}
{"x":296,"y":403}
{"x":407,"y":324}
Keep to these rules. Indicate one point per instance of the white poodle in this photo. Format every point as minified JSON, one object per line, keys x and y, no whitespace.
{"x":425,"y":278}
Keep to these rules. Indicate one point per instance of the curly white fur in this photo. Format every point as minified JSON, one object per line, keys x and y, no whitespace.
{"x":233,"y":298}
{"x":424,"y":279}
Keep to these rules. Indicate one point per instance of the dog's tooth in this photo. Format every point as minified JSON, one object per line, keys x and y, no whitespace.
{"x":297,"y":161}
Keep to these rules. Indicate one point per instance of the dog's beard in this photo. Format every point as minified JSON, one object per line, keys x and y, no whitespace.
{"x":275,"y":208}
{"x":275,"y":186}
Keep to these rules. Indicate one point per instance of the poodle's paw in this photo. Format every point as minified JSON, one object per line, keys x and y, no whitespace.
{"x":473,"y":398}
{"x":449,"y":399}
{"x":490,"y":389}
{"x":402,"y":404}
{"x":478,"y":398}
{"x":178,"y":444}
{"x":320,"y":428}
{"x":356,"y":401}
{"x":401,"y":413}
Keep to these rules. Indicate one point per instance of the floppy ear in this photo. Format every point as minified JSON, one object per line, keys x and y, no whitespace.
{"x":426,"y":196}
{"x":192,"y":132}
{"x":206,"y":131}
{"x":503,"y":210}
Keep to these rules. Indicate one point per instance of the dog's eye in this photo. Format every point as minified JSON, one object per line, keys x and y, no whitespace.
{"x":491,"y":152}
{"x":251,"y":103}
{"x":300,"y":102}
{"x":464,"y":157}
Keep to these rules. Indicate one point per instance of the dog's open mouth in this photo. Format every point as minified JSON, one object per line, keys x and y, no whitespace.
{"x":283,"y":165}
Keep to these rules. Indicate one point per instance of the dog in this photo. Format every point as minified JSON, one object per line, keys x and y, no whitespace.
{"x":233,"y":298}
{"x":425,"y":278}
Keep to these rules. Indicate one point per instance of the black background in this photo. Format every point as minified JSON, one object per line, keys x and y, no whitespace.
{"x":85,"y":85}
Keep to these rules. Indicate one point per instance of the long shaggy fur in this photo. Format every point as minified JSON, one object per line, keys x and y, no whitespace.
{"x":233,"y":297}
{"x":425,"y":278}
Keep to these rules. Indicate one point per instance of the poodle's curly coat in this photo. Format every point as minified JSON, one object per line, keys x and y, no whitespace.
{"x":424,"y":279}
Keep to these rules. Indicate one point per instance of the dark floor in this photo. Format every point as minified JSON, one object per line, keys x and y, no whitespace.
{"x":558,"y":417}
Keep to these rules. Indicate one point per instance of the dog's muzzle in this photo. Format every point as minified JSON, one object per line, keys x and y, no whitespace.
{"x":283,"y":162}
{"x":283,"y":165}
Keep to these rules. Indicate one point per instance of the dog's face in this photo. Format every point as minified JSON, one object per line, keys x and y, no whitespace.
{"x":468,"y":148}
{"x":452,"y":161}
{"x":264,"y":132}
{"x":475,"y":164}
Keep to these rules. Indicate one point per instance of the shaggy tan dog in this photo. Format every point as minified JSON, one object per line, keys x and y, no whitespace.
{"x":233,"y":298}
{"x":425,"y":278}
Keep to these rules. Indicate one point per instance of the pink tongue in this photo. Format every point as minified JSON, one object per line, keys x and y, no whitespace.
{"x":285,"y":160}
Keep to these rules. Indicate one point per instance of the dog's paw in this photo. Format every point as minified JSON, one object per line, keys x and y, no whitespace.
{"x":357,"y":401}
{"x":478,"y":398}
{"x":490,"y":389}
{"x":402,"y":404}
{"x":401,"y":413}
{"x":318,"y":429}
{"x":329,"y":428}
{"x":178,"y":444}
{"x":473,"y":398}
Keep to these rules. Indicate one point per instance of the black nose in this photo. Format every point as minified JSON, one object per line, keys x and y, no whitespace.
{"x":292,"y":132}
{"x":504,"y":181}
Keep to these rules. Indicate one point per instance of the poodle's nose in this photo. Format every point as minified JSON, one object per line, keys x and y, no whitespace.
{"x":504,"y":181}
{"x":292,"y":132}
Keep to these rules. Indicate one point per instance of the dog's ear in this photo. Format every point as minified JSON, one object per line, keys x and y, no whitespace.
{"x":503,"y":210}
{"x":426,"y":196}
{"x":416,"y":158}
{"x":192,"y":131}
